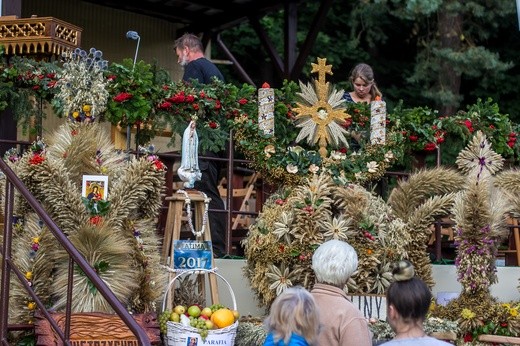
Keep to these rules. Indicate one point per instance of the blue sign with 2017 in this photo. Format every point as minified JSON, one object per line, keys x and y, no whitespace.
{"x":192,"y":254}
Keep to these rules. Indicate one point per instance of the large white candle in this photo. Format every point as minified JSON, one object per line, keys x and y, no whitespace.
{"x":377,"y":122}
{"x":266,"y":109}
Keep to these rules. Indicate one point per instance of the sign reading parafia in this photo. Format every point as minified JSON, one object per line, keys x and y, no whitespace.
{"x":192,"y":254}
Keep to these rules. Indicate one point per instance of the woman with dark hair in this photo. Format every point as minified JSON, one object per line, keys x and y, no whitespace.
{"x":407,"y":302}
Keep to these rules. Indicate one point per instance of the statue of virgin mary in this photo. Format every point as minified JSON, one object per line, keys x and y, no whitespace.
{"x":189,"y":171}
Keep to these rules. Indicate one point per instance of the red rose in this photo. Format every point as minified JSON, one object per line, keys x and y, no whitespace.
{"x":190,"y":98}
{"x":212,"y":124}
{"x":195,"y":106}
{"x":165,"y":105}
{"x":217,"y":104}
{"x":242,"y":101}
{"x":343,"y":150}
{"x":347,"y":123}
{"x":122,"y":97}
{"x":202,"y":94}
{"x":165,"y":87}
{"x":178,"y":98}
{"x":51,"y":84}
{"x":111,"y":77}
{"x":430,"y":146}
{"x":413,"y":138}
{"x":36,"y":87}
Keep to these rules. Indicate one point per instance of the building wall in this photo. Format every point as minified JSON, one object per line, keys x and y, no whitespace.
{"x":105,"y":29}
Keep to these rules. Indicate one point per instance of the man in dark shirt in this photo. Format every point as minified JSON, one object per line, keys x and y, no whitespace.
{"x":190,"y":55}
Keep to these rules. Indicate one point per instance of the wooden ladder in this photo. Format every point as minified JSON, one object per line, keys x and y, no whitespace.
{"x":172,"y":232}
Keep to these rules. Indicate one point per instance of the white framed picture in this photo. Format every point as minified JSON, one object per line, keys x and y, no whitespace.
{"x":95,"y":187}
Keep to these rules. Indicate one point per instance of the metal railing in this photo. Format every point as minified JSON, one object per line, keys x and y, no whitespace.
{"x":75,"y":257}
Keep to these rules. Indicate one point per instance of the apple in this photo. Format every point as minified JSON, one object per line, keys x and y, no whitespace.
{"x":194,"y":311}
{"x":175,"y":317}
{"x":209,"y":325}
{"x":206,"y":312}
{"x":179,"y":309}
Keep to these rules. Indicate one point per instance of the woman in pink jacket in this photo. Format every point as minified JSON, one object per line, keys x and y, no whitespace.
{"x":342,"y":323}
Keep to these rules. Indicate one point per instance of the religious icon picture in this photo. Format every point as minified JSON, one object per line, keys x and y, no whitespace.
{"x":95,"y":187}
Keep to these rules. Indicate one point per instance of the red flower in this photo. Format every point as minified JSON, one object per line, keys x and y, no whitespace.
{"x":343,"y":150}
{"x":413,"y":138}
{"x":468,"y":337}
{"x":177,"y":98}
{"x":95,"y":220}
{"x":440,"y":140}
{"x":165,"y":105}
{"x":111,"y":77}
{"x":36,"y":87}
{"x":280,"y":201}
{"x":347,"y":123}
{"x":212,"y":125}
{"x":309,"y":209}
{"x":158,"y":165}
{"x":469,"y":125}
{"x":165,"y":87}
{"x":122,"y":97}
{"x":36,"y":159}
{"x":51,"y":84}
{"x":217,"y":104}
{"x":492,"y":126}
{"x":430,"y":146}
{"x":202,"y":94}
{"x":195,"y":106}
{"x":190,"y":98}
{"x":242,"y":101}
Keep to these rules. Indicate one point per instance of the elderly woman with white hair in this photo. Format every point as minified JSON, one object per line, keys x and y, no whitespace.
{"x":342,"y":323}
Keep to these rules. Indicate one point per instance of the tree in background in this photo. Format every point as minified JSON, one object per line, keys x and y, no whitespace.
{"x":437,"y":53}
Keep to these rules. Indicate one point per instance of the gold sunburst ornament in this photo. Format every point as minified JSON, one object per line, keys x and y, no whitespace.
{"x":322,"y":114}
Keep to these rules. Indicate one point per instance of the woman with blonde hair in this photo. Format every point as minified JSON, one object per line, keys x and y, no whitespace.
{"x":293,"y":320}
{"x":365,"y":88}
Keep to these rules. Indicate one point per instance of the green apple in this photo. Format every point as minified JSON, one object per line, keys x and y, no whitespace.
{"x":175,"y":317}
{"x":194,"y":311}
{"x":179,"y":309}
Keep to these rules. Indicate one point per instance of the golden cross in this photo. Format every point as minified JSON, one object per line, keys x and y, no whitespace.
{"x":322,"y":86}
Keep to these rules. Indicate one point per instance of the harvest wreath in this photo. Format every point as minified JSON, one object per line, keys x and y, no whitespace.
{"x":316,"y":114}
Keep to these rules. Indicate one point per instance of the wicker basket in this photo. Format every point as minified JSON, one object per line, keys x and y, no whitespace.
{"x":181,"y":335}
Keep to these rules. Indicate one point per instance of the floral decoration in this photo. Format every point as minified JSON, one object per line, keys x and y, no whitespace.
{"x":214,"y":107}
{"x":27,"y":86}
{"x":134,"y":93}
{"x":82,"y":87}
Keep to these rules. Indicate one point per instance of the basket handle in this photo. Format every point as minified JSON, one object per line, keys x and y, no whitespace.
{"x":199,"y":271}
